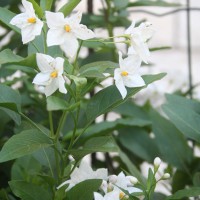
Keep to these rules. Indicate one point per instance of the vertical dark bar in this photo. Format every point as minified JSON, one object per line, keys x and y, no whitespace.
{"x":189,"y":49}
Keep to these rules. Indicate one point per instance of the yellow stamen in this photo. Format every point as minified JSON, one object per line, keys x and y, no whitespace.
{"x":31,"y":20}
{"x":124,"y":73}
{"x":67,"y":28}
{"x":54,"y":74}
{"x":121,"y":195}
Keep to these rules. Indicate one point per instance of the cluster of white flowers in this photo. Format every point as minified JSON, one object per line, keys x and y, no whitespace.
{"x":111,"y":187}
{"x":65,"y":32}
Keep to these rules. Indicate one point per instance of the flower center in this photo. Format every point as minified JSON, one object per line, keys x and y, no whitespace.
{"x":67,"y":28}
{"x":121,"y":195}
{"x":54,"y":74}
{"x":124,"y":73}
{"x":31,"y":20}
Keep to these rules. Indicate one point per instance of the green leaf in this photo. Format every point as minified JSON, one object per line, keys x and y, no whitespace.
{"x":24,"y":143}
{"x":137,"y":141}
{"x":96,"y":69}
{"x":7,"y":56}
{"x":119,"y":4}
{"x":96,"y":144}
{"x":109,"y":98}
{"x":196,"y":179}
{"x":46,"y":4}
{"x":171,"y":142}
{"x":84,"y":190}
{"x":151,"y":182}
{"x":29,"y":191}
{"x":6,"y":16}
{"x":56,"y":103}
{"x":190,"y":192}
{"x":185,"y":115}
{"x":10,"y":102}
{"x":153,"y":3}
{"x":37,"y":8}
{"x":67,"y":8}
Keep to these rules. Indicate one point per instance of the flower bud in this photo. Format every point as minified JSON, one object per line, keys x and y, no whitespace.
{"x":157,"y":162}
{"x":110,"y":187}
{"x":166,"y":176}
{"x":132,"y":179}
{"x":112,"y":179}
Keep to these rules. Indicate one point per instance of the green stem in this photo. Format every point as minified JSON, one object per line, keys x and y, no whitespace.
{"x":45,"y":40}
{"x":51,"y":123}
{"x":60,"y":125}
{"x":77,"y":54}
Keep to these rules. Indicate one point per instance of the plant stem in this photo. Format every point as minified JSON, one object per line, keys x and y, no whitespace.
{"x":51,"y":123}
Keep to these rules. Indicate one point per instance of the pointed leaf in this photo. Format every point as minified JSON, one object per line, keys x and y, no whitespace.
{"x":29,"y":191}
{"x":24,"y":143}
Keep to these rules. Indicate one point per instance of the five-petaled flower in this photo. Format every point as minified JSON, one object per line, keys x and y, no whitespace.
{"x":139,"y":36}
{"x":51,"y":75}
{"x":65,"y":31}
{"x":128,"y":74}
{"x":28,"y":22}
{"x":84,"y":172}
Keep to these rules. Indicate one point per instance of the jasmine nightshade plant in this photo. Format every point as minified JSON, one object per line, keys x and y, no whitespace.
{"x":28,"y":22}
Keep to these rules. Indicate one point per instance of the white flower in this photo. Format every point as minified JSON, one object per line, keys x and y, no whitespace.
{"x":51,"y":74}
{"x":127,"y":75}
{"x":28,"y":22}
{"x":84,"y":172}
{"x":124,"y":182}
{"x":114,"y":195}
{"x":65,"y":31}
{"x":139,"y":36}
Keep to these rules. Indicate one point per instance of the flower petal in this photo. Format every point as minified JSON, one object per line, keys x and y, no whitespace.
{"x":141,"y":48}
{"x":146,"y":31}
{"x":130,"y":29}
{"x":59,"y":63}
{"x":98,"y":196}
{"x":82,"y":32}
{"x":52,"y":87}
{"x":55,"y":37}
{"x":131,"y":64}
{"x":70,"y":46}
{"x":20,"y":20}
{"x":62,"y":88}
{"x":38,"y":27}
{"x":28,"y":7}
{"x":41,"y":79}
{"x":119,"y":83}
{"x":27,"y":34}
{"x":75,"y":18}
{"x":55,"y":20}
{"x":133,"y":81}
{"x":44,"y":62}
